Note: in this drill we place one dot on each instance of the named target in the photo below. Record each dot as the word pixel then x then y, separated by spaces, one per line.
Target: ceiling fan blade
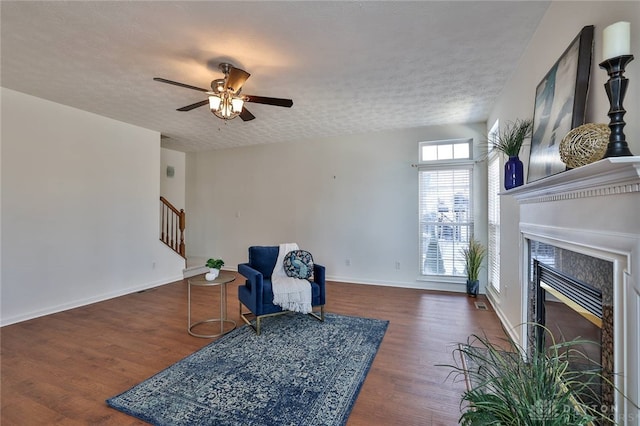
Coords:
pixel 193 106
pixel 287 103
pixel 236 79
pixel 245 115
pixel 175 83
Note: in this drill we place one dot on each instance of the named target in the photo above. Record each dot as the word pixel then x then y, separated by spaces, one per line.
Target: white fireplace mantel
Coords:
pixel 615 175
pixel 594 210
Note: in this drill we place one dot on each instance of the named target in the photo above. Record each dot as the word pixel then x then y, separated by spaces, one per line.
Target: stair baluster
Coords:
pixel 172 222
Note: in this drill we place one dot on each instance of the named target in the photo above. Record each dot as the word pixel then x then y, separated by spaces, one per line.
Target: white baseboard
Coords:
pixel 506 324
pixel 420 285
pixel 84 302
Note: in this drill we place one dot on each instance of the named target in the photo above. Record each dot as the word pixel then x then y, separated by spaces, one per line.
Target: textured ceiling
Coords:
pixel 350 67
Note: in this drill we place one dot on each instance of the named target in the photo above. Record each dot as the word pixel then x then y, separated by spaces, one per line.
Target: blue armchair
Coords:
pixel 256 293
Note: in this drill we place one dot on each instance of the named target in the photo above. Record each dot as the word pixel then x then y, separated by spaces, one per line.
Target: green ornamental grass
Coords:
pixel 473 256
pixel 509 141
pixel 508 389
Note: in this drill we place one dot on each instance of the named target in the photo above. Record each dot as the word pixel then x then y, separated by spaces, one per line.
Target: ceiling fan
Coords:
pixel 225 100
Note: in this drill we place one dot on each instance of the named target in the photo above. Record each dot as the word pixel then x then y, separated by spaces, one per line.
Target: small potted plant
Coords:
pixel 214 266
pixel 473 256
pixel 509 141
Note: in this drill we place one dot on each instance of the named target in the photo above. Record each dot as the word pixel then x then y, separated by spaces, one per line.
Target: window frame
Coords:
pixel 444 142
pixel 493 214
pixel 442 165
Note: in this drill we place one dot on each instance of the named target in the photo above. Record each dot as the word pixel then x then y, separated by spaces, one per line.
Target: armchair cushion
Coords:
pixel 263 259
pixel 298 264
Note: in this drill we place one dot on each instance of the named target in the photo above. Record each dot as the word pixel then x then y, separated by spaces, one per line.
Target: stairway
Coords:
pixel 172 224
pixel 195 266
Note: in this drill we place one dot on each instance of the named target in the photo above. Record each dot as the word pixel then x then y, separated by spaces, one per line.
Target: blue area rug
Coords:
pixel 299 371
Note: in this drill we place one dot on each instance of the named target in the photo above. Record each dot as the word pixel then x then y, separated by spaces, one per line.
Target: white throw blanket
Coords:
pixel 291 294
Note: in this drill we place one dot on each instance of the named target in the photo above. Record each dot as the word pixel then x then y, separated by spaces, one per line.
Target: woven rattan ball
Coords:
pixel 584 144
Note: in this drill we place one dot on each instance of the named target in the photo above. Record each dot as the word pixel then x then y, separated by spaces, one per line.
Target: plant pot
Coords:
pixel 513 173
pixel 472 288
pixel 212 275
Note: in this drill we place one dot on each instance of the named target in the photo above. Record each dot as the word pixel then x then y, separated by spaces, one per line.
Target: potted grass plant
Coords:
pixel 506 388
pixel 214 266
pixel 474 255
pixel 509 141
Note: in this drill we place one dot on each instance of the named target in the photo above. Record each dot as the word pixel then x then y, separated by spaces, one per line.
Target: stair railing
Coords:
pixel 172 223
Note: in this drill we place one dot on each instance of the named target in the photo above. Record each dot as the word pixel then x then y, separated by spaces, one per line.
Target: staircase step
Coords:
pixel 195 266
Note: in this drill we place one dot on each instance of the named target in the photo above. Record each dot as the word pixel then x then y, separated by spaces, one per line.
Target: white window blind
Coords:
pixel 446 219
pixel 493 258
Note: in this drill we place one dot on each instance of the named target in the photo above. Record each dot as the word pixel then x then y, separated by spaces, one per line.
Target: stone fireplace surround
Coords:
pixel 594 210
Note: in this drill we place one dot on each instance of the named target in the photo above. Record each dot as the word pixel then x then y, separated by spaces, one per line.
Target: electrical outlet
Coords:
pixel 347 262
pixel 397 264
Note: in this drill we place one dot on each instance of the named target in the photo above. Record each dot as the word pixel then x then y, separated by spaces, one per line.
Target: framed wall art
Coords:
pixel 560 105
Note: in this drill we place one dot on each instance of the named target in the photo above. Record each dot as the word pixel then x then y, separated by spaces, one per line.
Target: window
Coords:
pixel 458 149
pixel 493 258
pixel 445 206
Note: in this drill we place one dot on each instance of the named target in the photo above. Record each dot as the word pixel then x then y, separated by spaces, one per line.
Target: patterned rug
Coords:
pixel 299 371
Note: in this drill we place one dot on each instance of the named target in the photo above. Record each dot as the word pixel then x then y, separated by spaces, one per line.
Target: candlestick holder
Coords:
pixel 616 88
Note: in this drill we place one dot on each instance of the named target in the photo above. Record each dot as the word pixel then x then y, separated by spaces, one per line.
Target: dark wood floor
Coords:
pixel 59 369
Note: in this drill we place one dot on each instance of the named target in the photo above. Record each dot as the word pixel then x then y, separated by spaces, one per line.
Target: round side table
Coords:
pixel 221 281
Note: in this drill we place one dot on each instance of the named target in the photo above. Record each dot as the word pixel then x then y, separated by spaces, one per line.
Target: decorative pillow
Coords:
pixel 298 264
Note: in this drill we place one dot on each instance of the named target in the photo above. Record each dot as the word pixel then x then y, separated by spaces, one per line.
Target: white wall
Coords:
pixel 562 22
pixel 352 197
pixel 80 209
pixel 173 188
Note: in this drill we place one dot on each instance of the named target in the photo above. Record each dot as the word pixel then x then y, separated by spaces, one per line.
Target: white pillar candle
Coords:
pixel 616 40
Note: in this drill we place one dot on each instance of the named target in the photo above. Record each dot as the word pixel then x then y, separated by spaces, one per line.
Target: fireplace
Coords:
pixel 580 232
pixel 567 293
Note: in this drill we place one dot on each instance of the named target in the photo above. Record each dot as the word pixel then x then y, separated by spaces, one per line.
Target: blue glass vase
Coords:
pixel 513 172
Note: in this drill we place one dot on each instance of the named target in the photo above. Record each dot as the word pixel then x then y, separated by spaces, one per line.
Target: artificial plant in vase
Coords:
pixel 473 254
pixel 214 266
pixel 509 141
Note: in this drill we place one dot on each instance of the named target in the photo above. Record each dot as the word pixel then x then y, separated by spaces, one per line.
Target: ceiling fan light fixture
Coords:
pixel 225 106
pixel 237 104
pixel 214 103
pixel 226 109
